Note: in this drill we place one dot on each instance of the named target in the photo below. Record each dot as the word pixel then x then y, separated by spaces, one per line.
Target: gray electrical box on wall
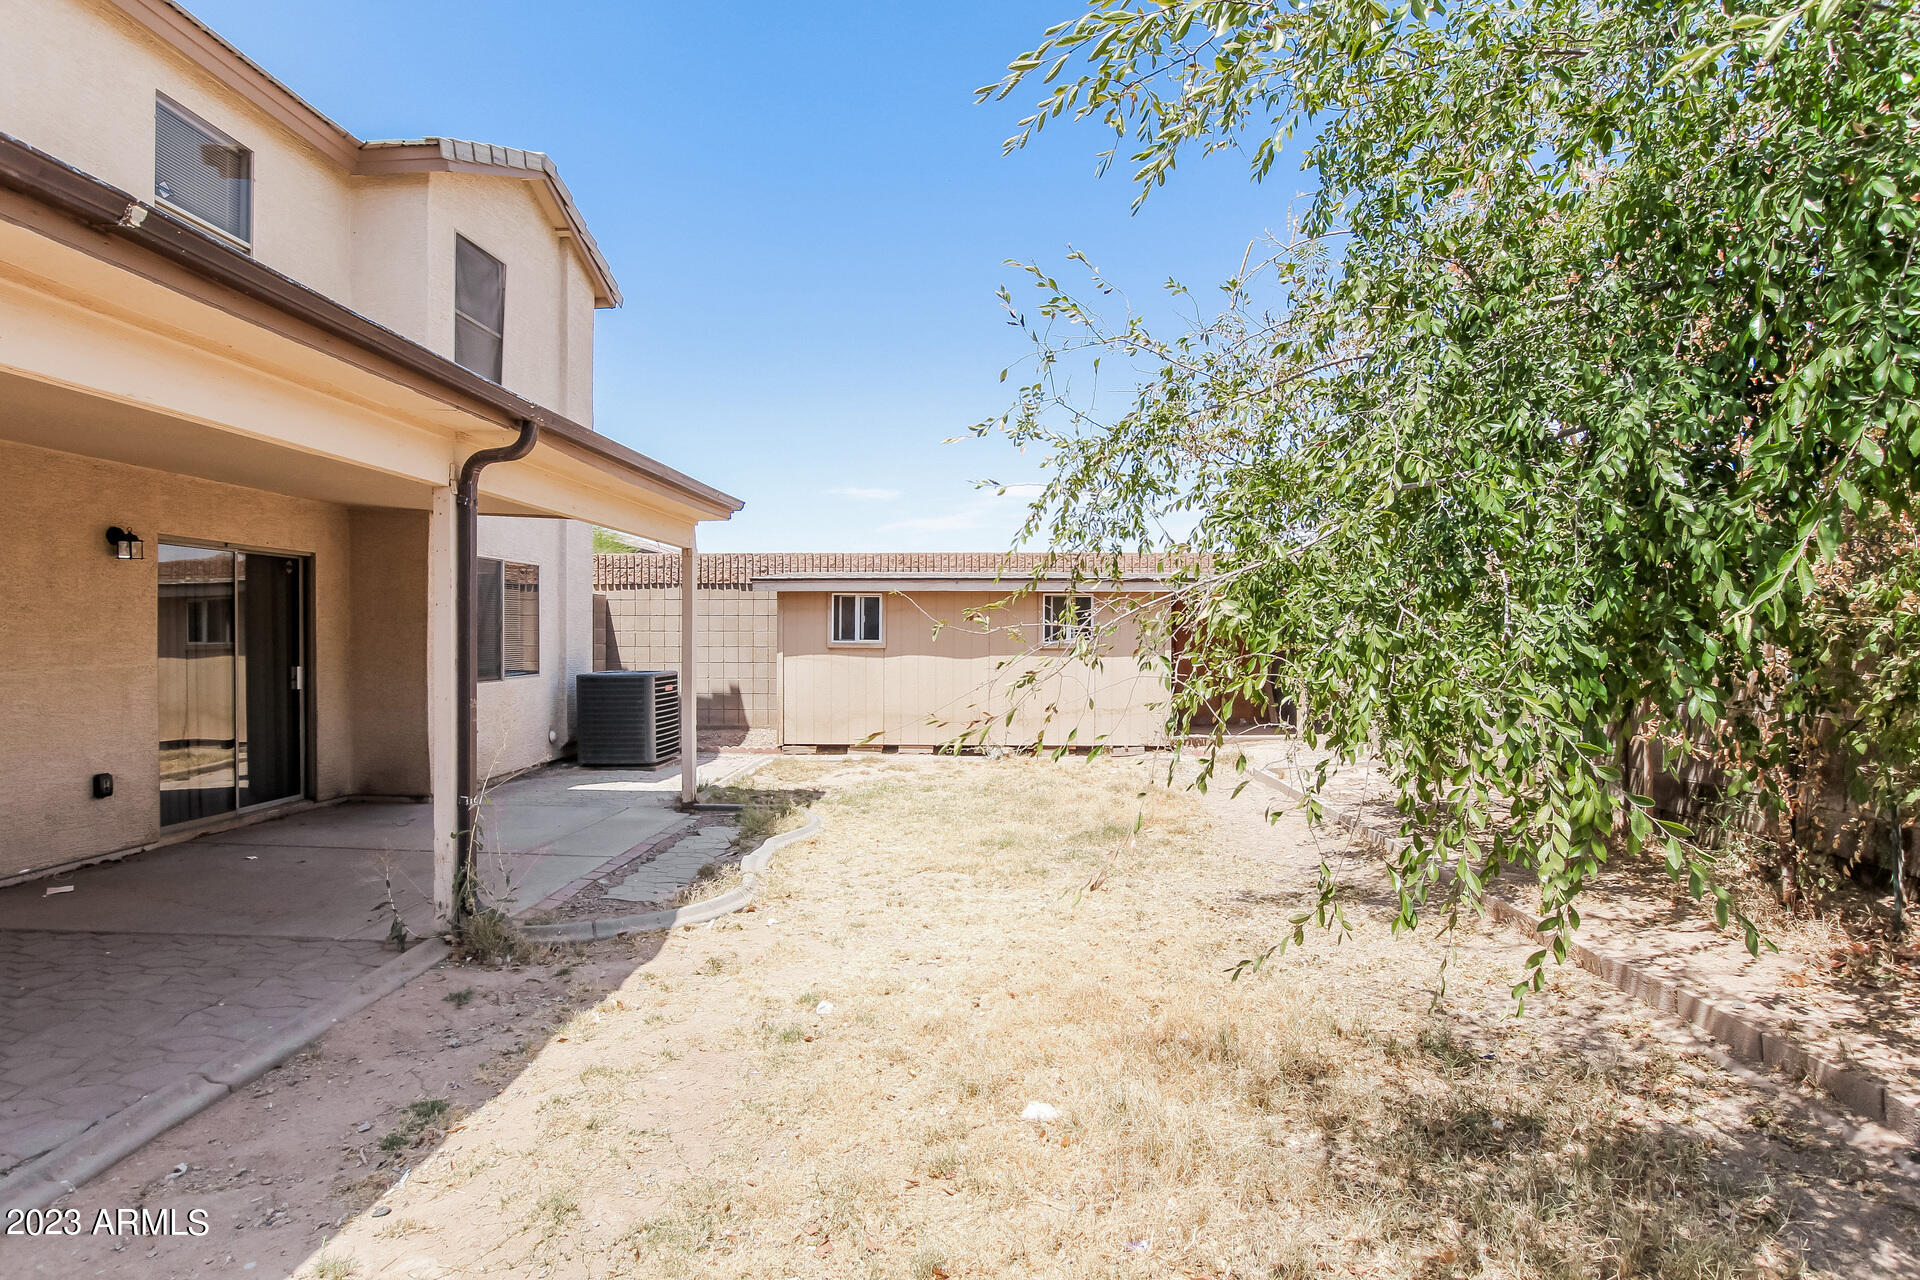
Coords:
pixel 628 717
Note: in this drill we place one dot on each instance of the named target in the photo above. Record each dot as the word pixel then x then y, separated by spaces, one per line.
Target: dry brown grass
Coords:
pixel 832 1085
pixel 1275 1127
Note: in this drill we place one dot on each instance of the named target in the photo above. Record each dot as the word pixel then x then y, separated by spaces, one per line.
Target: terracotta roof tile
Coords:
pixel 737 570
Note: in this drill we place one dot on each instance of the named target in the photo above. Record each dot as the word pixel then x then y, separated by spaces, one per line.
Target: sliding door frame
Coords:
pixel 305 742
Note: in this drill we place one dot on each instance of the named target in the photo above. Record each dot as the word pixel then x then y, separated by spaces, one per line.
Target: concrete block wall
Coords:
pixel 737 676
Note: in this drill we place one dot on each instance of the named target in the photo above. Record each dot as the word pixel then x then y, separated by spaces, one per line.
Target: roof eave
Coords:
pixel 457 155
pixel 180 30
pixel 107 209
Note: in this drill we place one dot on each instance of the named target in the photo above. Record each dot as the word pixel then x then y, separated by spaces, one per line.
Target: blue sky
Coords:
pixel 808 216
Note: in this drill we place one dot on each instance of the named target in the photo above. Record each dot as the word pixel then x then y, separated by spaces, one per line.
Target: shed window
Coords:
pixel 201 172
pixel 1066 619
pixel 507 617
pixel 479 308
pixel 856 620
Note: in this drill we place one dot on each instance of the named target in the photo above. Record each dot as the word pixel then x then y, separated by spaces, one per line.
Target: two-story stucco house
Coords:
pixel 246 361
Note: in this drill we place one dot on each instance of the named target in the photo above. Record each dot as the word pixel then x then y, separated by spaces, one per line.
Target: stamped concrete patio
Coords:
pixel 150 968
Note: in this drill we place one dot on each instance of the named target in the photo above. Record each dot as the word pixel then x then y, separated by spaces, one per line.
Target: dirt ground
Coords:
pixel 833 1085
pixel 1829 976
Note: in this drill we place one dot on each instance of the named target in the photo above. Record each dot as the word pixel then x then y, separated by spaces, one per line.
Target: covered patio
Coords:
pixel 250 717
pixel 185 424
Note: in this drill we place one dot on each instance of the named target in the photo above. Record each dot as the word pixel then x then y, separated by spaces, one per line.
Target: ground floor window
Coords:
pixel 508 617
pixel 1066 620
pixel 856 619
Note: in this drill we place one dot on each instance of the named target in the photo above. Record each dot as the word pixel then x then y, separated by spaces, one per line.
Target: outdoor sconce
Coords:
pixel 126 544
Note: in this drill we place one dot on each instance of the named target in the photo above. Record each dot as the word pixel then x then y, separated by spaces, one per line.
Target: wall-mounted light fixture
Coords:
pixel 126 544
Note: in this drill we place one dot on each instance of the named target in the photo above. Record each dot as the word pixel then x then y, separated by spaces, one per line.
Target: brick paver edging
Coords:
pixel 1750 1039
pixel 97 1149
pixel 753 869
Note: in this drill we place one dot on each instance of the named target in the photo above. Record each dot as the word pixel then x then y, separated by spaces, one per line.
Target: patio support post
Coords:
pixel 689 704
pixel 442 633
pixel 466 836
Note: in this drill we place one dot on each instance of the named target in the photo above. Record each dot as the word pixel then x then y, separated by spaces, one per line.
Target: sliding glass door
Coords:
pixel 232 680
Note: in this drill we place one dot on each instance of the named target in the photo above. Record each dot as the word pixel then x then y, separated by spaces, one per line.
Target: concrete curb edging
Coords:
pixel 1748 1038
pixel 94 1150
pixel 753 868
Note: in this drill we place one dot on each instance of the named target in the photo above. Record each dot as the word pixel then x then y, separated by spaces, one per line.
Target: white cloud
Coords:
pixel 951 522
pixel 999 512
pixel 867 495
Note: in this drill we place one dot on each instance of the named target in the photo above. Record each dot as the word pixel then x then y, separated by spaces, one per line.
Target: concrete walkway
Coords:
pixel 152 967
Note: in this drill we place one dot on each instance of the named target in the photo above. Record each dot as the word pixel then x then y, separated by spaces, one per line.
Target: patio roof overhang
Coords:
pixel 133 336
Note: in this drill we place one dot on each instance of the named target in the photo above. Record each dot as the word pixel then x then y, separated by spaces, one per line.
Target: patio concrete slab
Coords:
pixel 92 1022
pixel 155 965
pixel 258 890
pixel 358 825
pixel 516 881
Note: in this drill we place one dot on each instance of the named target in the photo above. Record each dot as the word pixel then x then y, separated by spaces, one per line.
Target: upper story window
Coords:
pixel 856 620
pixel 201 172
pixel 479 308
pixel 1066 619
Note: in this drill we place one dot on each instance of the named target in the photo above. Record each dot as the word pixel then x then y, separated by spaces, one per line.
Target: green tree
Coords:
pixel 608 542
pixel 1858 694
pixel 1594 342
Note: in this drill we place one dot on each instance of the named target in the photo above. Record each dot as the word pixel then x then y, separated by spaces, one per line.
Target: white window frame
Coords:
pixel 221 136
pixel 859 615
pixel 1061 635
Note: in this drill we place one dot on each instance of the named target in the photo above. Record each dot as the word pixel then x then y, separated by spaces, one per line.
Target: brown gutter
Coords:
pixel 108 209
pixel 466 553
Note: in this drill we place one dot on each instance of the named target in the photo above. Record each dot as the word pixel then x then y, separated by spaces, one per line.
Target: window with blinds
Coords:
pixel 507 619
pixel 520 620
pixel 487 618
pixel 479 309
pixel 201 172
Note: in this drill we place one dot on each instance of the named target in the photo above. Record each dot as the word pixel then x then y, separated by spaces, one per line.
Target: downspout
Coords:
pixel 466 554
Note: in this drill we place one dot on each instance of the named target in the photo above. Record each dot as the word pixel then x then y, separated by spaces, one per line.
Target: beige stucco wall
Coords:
pixel 388 705
pixel 78 652
pixel 737 661
pixel 79 668
pixel 392 248
pixel 546 314
pixel 961 674
pixel 80 84
pixel 524 720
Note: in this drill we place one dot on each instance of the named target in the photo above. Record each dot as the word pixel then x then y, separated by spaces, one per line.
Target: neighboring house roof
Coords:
pixel 115 214
pixel 208 50
pixel 940 570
